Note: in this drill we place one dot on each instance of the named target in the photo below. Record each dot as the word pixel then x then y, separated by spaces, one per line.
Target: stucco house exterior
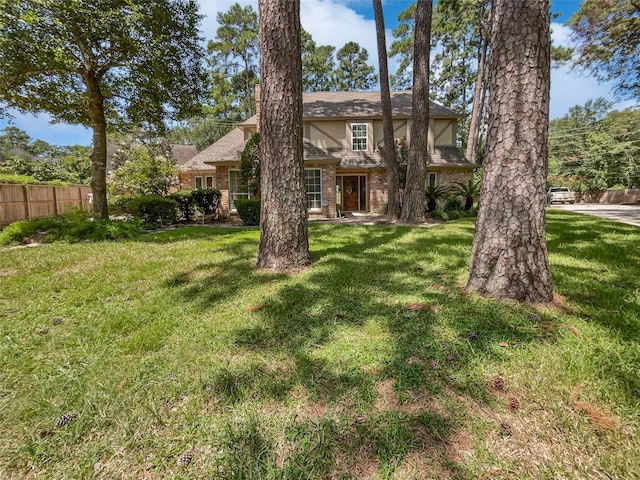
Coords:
pixel 344 171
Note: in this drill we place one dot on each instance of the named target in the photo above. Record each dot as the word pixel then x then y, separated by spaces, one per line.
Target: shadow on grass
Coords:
pixel 342 340
pixel 373 385
pixel 592 271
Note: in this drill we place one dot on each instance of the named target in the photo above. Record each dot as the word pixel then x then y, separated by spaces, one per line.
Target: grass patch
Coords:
pixel 371 363
pixel 72 227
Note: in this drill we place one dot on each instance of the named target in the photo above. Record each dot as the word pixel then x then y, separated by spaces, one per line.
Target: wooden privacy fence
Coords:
pixel 20 202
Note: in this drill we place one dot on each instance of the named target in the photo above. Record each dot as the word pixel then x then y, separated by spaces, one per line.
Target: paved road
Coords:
pixel 621 213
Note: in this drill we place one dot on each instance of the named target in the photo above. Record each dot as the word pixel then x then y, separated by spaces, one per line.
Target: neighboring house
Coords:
pixel 16 152
pixel 344 171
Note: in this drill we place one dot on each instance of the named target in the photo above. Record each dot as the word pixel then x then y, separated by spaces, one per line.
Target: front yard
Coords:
pixel 171 357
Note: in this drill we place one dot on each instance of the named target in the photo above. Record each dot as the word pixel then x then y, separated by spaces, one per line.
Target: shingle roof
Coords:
pixel 440 157
pixel 363 104
pixel 183 153
pixel 341 105
pixel 226 149
pixel 449 157
pixel 229 148
pixel 313 153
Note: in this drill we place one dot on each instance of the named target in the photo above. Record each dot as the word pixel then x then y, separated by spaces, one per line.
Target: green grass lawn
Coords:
pixel 176 359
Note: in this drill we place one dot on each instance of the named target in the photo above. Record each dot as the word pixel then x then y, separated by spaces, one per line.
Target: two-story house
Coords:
pixel 343 168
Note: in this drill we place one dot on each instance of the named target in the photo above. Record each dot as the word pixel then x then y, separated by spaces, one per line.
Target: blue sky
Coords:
pixel 336 22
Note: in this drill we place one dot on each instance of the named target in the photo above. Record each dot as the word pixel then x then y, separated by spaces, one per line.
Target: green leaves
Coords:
pixel 354 73
pixel 147 59
pixel 592 148
pixel 608 38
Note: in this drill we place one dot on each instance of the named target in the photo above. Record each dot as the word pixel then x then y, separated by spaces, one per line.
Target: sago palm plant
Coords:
pixel 468 191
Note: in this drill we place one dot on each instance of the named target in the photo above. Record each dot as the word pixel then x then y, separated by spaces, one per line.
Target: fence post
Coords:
pixel 27 202
pixel 55 201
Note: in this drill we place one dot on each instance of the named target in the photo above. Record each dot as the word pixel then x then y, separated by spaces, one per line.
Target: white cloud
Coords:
pixel 332 23
pixel 561 35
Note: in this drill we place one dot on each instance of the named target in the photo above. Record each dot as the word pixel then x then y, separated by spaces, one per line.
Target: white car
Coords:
pixel 561 195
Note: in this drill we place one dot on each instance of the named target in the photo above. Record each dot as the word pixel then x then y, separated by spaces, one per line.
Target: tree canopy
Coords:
pixel 354 73
pixel 234 58
pixel 607 33
pixel 318 65
pixel 593 148
pixel 102 64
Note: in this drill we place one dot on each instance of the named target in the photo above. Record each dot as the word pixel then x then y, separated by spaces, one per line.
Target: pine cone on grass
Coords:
pixel 505 429
pixel 66 419
pixel 497 383
pixel 185 458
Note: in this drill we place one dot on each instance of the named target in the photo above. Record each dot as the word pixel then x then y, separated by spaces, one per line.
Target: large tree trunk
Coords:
pixel 413 204
pixel 389 151
pixel 509 259
pixel 284 243
pixel 476 110
pixel 99 154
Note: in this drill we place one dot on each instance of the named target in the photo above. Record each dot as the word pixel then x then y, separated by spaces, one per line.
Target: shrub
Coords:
pixel 74 227
pixel 438 215
pixel 206 200
pixel 118 204
pixel 249 210
pixel 18 232
pixel 186 204
pixel 153 209
pixel 453 203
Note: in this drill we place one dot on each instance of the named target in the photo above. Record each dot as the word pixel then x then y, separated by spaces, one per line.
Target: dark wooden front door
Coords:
pixel 350 192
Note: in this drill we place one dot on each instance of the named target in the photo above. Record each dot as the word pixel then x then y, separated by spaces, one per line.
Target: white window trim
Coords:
pixel 195 181
pixel 315 209
pixel 213 183
pixel 231 207
pixel 366 136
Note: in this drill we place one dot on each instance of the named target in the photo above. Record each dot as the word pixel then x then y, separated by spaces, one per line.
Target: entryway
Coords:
pixel 351 193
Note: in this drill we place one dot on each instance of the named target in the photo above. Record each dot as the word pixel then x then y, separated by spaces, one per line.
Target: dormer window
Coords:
pixel 359 137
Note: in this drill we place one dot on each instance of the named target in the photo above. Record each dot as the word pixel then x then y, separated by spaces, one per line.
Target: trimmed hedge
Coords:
pixel 186 204
pixel 249 210
pixel 206 200
pixel 153 209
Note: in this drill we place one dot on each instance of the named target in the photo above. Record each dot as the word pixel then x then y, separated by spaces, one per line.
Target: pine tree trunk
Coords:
pixel 284 243
pixel 389 151
pixel 99 153
pixel 476 110
pixel 413 204
pixel 509 258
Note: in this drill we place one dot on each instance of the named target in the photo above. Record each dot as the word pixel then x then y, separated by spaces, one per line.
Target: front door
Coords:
pixel 350 189
pixel 354 192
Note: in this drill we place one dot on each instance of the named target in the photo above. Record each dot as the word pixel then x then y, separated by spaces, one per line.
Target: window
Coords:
pixel 313 187
pixel 432 180
pixel 236 188
pixel 208 182
pixel 197 182
pixel 359 137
